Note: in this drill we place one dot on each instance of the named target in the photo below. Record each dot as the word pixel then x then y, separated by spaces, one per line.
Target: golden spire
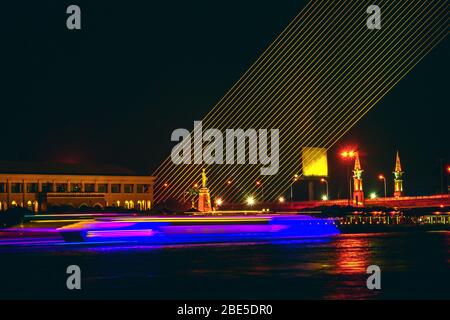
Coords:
pixel 357 162
pixel 398 165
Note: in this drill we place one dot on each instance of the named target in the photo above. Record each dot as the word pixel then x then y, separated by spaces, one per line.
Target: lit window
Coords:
pixel 89 187
pixel 128 188
pixel 103 188
pixel 140 188
pixel 47 187
pixel 16 187
pixel 75 187
pixel 32 187
pixel 61 187
pixel 115 188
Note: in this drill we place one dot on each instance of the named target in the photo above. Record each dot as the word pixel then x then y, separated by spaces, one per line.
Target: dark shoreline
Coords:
pixel 364 228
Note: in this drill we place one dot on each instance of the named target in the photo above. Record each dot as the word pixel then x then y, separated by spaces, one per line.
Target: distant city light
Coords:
pixel 373 195
pixel 229 181
pixel 324 197
pixel 219 201
pixel 166 185
pixel 196 185
pixel 281 199
pixel 250 201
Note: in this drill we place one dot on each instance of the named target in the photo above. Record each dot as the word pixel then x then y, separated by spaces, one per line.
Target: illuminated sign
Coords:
pixel 314 162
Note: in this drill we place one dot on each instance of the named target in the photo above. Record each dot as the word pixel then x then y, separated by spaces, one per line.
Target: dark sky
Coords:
pixel 114 91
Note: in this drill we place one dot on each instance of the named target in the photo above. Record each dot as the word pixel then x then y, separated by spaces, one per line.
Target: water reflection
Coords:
pixel 353 255
pixel 413 266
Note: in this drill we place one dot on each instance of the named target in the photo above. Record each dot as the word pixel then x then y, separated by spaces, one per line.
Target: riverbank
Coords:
pixel 364 228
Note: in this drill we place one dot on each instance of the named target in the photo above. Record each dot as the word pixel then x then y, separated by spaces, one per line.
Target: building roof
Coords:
pixel 63 169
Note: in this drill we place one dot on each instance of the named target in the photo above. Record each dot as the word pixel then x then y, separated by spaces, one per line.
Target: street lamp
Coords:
pixel 323 180
pixel 381 177
pixel 348 155
pixel 250 201
pixel 219 202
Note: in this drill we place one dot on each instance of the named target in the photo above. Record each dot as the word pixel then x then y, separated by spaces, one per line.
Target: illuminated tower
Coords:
pixel 358 193
pixel 398 177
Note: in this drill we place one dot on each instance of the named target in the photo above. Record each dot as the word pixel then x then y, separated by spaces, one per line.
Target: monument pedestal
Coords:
pixel 204 200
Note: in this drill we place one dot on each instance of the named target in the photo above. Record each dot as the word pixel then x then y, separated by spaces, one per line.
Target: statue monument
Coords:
pixel 204 198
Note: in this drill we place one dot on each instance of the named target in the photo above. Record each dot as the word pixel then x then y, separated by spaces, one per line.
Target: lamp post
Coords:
pixel 323 180
pixel 293 180
pixel 448 183
pixel 381 177
pixel 259 184
pixel 348 155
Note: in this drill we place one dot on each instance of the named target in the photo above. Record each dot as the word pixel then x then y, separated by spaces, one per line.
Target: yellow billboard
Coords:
pixel 314 162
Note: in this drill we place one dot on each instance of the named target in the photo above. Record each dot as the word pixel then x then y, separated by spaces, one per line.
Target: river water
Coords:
pixel 413 265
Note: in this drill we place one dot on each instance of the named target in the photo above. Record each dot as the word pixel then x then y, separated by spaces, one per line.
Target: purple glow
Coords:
pixel 120 233
pixel 171 230
pixel 218 229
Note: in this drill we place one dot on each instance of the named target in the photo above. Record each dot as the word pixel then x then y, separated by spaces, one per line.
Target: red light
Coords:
pixel 348 154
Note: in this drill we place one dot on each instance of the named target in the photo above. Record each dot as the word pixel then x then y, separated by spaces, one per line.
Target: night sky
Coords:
pixel 114 91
